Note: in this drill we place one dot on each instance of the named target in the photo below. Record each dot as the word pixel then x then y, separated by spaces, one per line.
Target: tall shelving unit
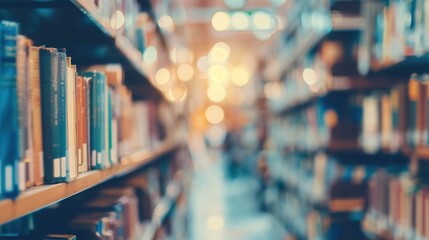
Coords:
pixel 306 203
pixel 89 39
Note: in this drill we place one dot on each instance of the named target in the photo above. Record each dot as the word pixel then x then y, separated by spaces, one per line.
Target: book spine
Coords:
pixel 97 118
pixel 79 121
pixel 110 127
pixel 87 111
pixel 10 153
pixel 413 91
pixel 1 113
pixel 50 102
pixel 30 152
pixel 71 121
pixel 107 160
pixel 36 115
pixel 24 178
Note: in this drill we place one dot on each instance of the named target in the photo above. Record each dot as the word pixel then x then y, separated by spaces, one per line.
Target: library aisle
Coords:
pixel 214 119
pixel 225 208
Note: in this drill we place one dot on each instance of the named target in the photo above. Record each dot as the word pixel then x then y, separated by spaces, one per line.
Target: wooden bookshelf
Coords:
pixel 339 84
pixel 40 197
pixel 88 37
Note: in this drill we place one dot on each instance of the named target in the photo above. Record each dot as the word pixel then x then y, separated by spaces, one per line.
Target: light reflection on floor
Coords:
pixel 223 209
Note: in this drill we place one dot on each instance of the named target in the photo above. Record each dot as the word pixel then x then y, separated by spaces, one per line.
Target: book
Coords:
pixel 81 126
pixel 10 153
pixel 62 110
pixel 71 120
pixel 54 131
pixel 24 174
pixel 36 115
pixel 97 102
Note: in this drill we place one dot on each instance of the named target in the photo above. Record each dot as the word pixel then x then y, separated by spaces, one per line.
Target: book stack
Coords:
pixel 398 206
pixel 58 122
pixel 314 195
pixel 385 40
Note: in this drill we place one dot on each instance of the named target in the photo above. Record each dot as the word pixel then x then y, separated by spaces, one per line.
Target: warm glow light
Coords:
pixel 235 97
pixel 262 20
pixel 310 76
pixel 235 3
pixel 219 53
pixel 273 90
pixel 240 20
pixel 220 21
pixel 162 76
pixel 218 74
pixel 184 55
pixel 185 72
pixel 176 94
pixel 117 20
pixel 203 64
pixel 240 76
pixel 150 55
pixel 214 114
pixel 216 93
pixel 166 22
pixel 215 222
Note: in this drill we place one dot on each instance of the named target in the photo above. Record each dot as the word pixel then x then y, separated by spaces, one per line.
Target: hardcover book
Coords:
pixel 97 123
pixel 36 115
pixel 71 120
pixel 53 124
pixel 10 154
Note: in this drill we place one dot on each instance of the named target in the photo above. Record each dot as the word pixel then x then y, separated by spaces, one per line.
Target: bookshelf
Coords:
pixel 88 37
pixel 37 198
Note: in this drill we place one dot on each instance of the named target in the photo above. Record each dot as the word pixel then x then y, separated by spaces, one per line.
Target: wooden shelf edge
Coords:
pixel 37 198
pixel 341 84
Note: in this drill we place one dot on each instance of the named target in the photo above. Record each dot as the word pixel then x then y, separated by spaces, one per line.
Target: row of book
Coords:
pixel 305 191
pixel 387 40
pixel 58 122
pixel 378 120
pixel 398 206
pixel 121 210
pixel 333 121
pixel 124 17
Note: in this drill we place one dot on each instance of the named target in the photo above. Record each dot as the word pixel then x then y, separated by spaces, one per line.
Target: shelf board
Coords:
pixel 88 37
pixel 405 67
pixel 339 84
pixel 40 197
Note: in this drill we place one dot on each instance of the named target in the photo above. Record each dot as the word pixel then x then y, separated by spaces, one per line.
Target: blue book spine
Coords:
pixel 110 131
pixel 97 118
pixel 50 96
pixel 62 107
pixel 9 130
pixel 1 77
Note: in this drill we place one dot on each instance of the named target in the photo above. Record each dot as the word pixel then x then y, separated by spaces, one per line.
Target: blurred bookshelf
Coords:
pixel 37 198
pixel 346 103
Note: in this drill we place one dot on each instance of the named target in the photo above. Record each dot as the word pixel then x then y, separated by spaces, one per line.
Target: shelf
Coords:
pixel 339 84
pixel 40 197
pixel 405 67
pixel 88 37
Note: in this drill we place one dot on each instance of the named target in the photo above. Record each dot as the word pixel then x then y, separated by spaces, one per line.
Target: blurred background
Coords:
pixel 234 119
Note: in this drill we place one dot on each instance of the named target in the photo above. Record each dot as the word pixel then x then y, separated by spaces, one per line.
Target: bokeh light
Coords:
pixel 218 74
pixel 150 55
pixel 240 75
pixel 219 53
pixel 214 114
pixel 240 20
pixel 220 21
pixel 185 72
pixel 216 93
pixel 162 76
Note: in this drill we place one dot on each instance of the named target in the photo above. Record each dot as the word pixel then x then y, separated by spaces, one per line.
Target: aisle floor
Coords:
pixel 222 208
